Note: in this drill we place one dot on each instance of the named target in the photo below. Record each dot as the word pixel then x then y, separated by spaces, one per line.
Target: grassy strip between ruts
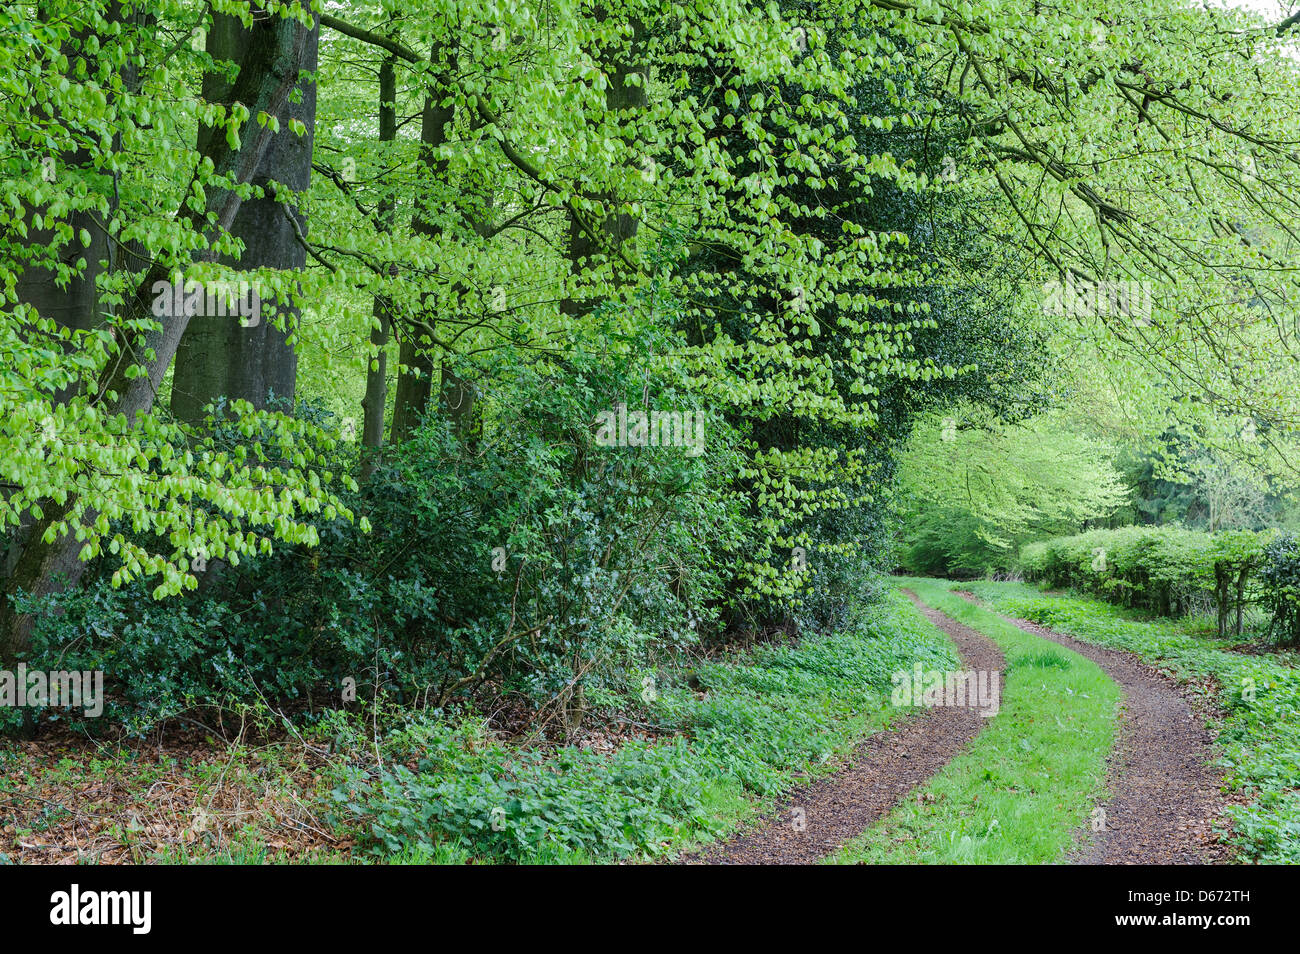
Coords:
pixel 1260 737
pixel 746 732
pixel 1029 780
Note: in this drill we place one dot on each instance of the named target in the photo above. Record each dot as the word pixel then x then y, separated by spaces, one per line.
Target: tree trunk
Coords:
pixel 1242 576
pixel 76 306
pixel 376 397
pixel 1222 597
pixel 415 377
pixel 219 355
pixel 616 230
pixel 459 395
pixel 460 399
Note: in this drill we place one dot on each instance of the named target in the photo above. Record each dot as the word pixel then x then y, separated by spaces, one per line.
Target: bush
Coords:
pixel 1279 577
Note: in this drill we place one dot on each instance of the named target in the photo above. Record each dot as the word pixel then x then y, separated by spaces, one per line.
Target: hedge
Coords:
pixel 1162 569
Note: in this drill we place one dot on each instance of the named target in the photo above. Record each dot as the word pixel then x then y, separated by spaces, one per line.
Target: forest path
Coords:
pixel 1165 793
pixel 819 818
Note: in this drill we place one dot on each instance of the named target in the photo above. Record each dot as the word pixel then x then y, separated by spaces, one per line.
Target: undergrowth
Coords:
pixel 732 736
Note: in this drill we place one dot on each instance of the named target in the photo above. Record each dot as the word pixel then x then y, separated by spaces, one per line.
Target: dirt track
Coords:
pixel 821 817
pixel 1166 796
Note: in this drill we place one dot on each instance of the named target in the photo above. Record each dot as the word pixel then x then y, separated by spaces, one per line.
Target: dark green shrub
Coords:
pixel 1279 577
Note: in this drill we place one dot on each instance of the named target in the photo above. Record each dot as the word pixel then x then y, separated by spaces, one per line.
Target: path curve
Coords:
pixel 1166 794
pixel 820 817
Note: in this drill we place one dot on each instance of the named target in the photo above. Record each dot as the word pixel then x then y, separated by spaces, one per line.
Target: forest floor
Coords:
pixel 177 796
pixel 1096 756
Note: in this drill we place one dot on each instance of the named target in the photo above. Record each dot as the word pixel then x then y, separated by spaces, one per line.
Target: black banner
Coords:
pixel 341 905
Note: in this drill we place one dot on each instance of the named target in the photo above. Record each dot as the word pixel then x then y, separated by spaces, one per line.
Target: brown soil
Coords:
pixel 820 817
pixel 1167 796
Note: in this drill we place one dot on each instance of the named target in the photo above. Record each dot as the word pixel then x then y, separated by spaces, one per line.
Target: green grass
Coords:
pixel 1031 777
pixel 746 732
pixel 1260 735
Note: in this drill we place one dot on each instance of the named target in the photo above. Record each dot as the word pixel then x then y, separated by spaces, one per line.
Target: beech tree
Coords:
pixel 64 463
